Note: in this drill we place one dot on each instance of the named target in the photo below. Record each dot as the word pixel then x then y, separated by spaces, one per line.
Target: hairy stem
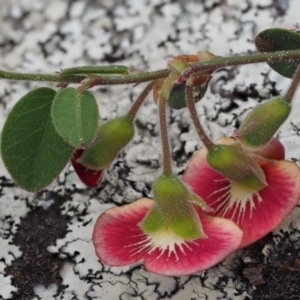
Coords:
pixel 194 116
pixel 162 103
pixel 243 60
pixel 131 78
pixel 107 79
pixel 41 77
pixel 137 104
pixel 293 87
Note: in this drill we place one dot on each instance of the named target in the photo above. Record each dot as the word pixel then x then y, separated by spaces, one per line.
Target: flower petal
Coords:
pixel 117 235
pixel 256 213
pixel 119 241
pixel 273 150
pixel 89 177
pixel 223 238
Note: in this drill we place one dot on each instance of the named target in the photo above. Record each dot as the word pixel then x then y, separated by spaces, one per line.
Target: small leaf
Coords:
pixel 32 150
pixel 176 99
pixel 75 116
pixel 279 39
pixel 111 69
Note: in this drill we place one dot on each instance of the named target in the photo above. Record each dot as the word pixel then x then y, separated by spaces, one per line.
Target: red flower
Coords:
pixel 256 212
pixel 119 240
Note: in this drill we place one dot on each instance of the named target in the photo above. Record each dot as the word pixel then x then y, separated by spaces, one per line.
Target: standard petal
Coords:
pixel 118 240
pixel 188 257
pixel 256 213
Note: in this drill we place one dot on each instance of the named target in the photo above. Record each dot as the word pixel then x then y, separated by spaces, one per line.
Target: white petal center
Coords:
pixel 235 196
pixel 164 241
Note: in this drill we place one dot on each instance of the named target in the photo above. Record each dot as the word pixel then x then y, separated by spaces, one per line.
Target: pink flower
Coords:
pixel 256 212
pixel 119 240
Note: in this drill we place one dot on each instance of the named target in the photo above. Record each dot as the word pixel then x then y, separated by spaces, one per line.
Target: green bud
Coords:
pixel 173 201
pixel 111 138
pixel 262 122
pixel 232 162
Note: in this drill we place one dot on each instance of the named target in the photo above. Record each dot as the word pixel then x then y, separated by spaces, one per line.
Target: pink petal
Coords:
pixel 117 233
pixel 279 198
pixel 119 241
pixel 272 150
pixel 224 237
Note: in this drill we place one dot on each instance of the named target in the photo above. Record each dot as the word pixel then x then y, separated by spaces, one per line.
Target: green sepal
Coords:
pixel 279 39
pixel 195 199
pixel 262 122
pixel 153 222
pixel 173 203
pixel 232 162
pixel 188 226
pixel 111 138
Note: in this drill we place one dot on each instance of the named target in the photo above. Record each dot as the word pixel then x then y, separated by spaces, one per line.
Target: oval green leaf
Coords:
pixel 32 151
pixel 177 99
pixel 75 116
pixel 279 39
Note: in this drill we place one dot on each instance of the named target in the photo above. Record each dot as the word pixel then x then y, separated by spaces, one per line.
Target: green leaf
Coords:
pixel 177 98
pixel 279 39
pixel 32 150
pixel 111 69
pixel 75 116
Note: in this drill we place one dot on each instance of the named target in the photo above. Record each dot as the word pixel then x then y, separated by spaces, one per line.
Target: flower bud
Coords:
pixel 91 178
pixel 111 138
pixel 262 122
pixel 232 162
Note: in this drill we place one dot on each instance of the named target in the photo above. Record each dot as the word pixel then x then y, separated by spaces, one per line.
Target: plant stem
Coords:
pixel 293 87
pixel 162 103
pixel 139 77
pixel 137 104
pixel 194 116
pixel 244 59
pixel 41 77
pixel 98 79
pixel 131 78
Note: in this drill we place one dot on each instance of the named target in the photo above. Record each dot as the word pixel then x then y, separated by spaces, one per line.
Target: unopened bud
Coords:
pixel 262 122
pixel 112 137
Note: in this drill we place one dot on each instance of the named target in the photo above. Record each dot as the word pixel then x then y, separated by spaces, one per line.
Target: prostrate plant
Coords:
pixel 234 190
